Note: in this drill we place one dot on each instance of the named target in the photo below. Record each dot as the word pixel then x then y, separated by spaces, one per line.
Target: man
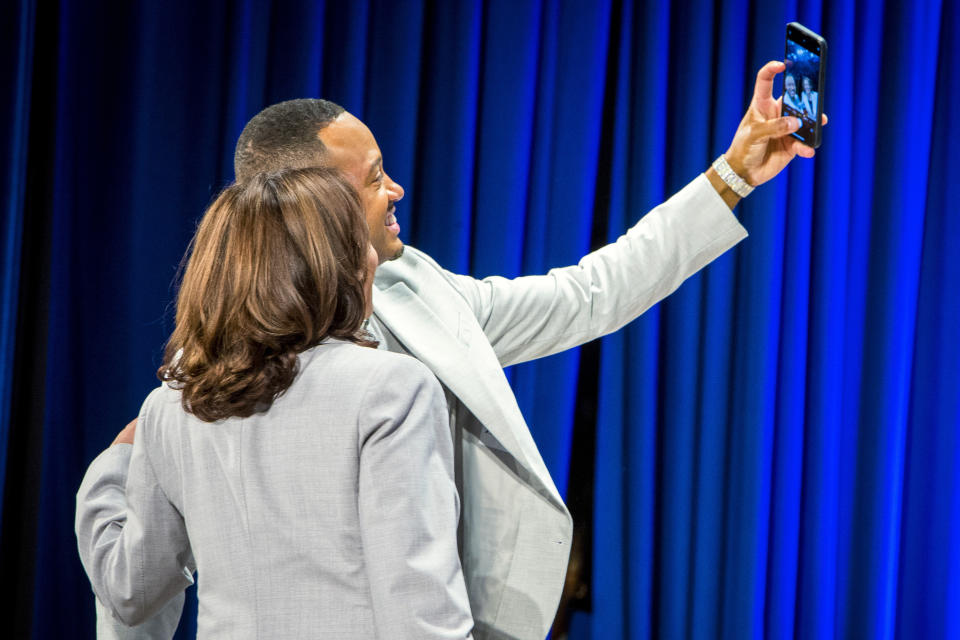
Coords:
pixel 790 97
pixel 515 530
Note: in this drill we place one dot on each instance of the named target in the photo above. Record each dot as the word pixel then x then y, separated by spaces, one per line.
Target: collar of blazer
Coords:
pixel 421 320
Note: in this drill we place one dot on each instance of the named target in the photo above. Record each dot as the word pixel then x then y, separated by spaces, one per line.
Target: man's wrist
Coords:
pixel 722 188
pixel 732 177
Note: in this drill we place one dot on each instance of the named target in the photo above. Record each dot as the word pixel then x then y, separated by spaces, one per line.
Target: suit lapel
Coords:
pixel 467 371
pixel 431 342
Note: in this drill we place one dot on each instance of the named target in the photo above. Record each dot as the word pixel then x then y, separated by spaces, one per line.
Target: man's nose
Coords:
pixel 395 190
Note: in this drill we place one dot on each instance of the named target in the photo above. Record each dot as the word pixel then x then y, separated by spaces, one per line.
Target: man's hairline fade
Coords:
pixel 284 135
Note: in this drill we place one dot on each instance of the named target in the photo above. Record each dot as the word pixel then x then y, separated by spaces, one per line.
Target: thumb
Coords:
pixel 774 128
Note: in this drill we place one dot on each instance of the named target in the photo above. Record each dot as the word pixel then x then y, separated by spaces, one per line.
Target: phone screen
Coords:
pixel 802 93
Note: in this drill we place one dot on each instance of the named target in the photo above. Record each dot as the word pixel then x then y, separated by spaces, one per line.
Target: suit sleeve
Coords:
pixel 535 316
pixel 135 550
pixel 409 508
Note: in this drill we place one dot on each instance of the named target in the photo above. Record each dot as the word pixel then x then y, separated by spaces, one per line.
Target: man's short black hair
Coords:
pixel 284 135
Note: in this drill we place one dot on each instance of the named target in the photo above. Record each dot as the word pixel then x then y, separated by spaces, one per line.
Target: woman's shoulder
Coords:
pixel 164 398
pixel 342 358
pixel 161 416
pixel 371 381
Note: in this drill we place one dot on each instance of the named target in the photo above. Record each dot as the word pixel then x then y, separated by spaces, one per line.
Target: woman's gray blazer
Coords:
pixel 332 515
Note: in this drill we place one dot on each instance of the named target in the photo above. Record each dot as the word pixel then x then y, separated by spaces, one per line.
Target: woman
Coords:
pixel 310 476
pixel 808 98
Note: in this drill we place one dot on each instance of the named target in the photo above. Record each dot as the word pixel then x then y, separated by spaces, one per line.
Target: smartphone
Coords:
pixel 804 81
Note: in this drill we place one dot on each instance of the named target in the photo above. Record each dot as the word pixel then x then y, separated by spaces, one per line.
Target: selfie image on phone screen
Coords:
pixel 800 88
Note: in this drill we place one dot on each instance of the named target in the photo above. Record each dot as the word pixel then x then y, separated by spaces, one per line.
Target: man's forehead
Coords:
pixel 349 140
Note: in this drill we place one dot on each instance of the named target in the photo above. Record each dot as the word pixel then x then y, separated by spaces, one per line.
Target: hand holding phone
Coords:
pixel 764 142
pixel 775 130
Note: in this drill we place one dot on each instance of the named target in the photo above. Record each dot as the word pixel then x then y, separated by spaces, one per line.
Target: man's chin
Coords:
pixel 391 253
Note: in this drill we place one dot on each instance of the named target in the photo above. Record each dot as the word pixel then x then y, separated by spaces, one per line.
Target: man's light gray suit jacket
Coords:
pixel 516 529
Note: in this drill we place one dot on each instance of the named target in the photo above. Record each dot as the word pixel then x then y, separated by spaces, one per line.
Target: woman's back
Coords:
pixel 331 515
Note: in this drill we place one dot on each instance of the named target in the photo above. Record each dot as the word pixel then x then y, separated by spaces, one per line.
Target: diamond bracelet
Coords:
pixel 730 177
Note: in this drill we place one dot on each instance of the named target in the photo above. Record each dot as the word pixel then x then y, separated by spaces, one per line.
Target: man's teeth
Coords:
pixel 391 219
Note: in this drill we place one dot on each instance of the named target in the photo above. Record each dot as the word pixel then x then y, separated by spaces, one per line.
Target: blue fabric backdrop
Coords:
pixel 776 445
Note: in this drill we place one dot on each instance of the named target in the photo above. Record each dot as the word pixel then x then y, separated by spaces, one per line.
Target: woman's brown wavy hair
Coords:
pixel 277 265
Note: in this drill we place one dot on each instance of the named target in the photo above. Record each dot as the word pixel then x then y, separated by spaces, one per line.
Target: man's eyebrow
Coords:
pixel 374 168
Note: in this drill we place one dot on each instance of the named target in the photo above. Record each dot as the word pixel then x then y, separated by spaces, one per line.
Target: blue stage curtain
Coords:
pixel 16 40
pixel 777 444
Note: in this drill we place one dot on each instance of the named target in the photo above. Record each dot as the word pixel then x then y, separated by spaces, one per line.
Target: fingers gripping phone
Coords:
pixel 804 81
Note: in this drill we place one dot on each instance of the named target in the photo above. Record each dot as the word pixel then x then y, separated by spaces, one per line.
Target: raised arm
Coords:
pixel 409 508
pixel 535 316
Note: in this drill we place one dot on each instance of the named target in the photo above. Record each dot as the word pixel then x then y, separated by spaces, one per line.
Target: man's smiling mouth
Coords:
pixel 391 221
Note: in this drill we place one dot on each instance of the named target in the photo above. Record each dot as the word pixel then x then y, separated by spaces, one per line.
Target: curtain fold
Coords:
pixel 16 74
pixel 777 443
